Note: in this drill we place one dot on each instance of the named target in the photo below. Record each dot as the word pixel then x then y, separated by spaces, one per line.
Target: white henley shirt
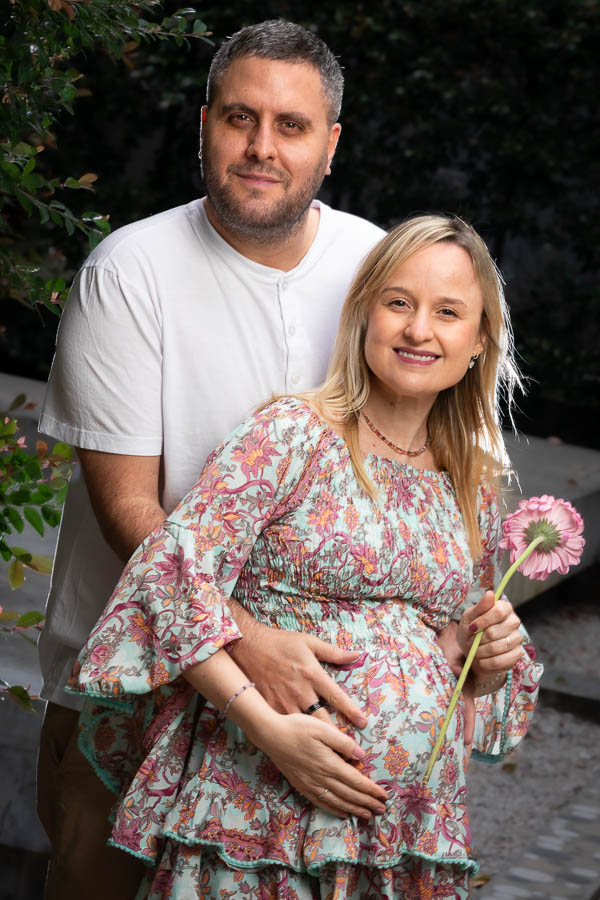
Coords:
pixel 169 339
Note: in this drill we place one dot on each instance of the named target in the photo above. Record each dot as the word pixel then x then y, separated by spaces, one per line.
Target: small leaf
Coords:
pixel 14 518
pixel 51 515
pixel 21 697
pixel 17 402
pixel 19 497
pixel 61 496
pixel 34 519
pixel 33 470
pixel 21 553
pixel 40 563
pixel 16 574
pixel 87 180
pixel 27 204
pixel 63 450
pixel 41 494
pixel 33 617
pixel 8 615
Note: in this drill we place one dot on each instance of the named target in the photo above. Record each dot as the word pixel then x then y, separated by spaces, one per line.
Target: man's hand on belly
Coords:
pixel 286 668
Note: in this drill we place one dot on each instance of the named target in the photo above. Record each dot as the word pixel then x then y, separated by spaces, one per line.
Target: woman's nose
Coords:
pixel 419 328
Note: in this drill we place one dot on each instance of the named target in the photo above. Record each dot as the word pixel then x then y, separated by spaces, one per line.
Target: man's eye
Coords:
pixel 291 126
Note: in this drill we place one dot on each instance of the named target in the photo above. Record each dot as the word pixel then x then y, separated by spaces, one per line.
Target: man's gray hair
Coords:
pixel 280 40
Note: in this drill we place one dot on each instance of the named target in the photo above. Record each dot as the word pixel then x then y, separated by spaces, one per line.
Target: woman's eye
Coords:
pixel 448 313
pixel 398 302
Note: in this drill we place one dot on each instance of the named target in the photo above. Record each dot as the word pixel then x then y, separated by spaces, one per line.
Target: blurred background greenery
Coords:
pixel 486 110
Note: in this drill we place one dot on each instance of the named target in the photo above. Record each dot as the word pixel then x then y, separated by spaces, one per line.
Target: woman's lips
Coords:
pixel 414 357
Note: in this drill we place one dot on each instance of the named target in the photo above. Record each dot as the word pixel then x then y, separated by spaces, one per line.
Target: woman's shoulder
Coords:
pixel 291 419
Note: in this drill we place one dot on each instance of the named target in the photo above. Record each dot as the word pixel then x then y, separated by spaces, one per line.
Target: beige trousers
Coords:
pixel 73 806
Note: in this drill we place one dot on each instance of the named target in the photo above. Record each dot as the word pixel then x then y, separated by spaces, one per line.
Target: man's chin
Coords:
pixel 250 218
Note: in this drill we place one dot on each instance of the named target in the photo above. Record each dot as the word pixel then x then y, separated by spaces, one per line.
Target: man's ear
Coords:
pixel 334 136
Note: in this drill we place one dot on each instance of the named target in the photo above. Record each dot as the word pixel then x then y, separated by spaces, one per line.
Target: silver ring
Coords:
pixel 326 791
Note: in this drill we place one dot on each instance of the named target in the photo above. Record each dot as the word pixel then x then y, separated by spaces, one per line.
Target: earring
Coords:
pixel 473 360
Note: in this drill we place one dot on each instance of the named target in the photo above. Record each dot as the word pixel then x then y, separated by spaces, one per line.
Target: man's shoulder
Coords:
pixel 349 224
pixel 149 235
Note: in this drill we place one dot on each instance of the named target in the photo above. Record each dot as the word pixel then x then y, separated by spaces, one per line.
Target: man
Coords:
pixel 176 328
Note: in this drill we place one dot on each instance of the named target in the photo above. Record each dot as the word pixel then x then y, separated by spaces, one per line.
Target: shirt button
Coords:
pixel 284 285
pixel 292 329
pixel 295 379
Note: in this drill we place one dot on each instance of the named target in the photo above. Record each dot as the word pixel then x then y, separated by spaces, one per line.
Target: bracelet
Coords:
pixel 484 685
pixel 237 693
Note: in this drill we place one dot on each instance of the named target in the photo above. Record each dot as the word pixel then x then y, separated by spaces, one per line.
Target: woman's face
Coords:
pixel 425 324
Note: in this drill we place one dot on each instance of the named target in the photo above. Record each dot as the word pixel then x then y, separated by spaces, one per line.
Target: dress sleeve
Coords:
pixel 170 610
pixel 502 718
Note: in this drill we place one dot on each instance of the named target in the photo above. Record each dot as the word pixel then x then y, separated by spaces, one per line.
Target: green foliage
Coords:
pixel 40 50
pixel 33 488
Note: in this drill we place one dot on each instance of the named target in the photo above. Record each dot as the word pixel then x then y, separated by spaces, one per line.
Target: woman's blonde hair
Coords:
pixel 466 439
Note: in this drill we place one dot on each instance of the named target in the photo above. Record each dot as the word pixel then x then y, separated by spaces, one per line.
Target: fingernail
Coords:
pixel 359 753
pixel 365 815
pixel 362 721
pixel 380 810
pixel 473 628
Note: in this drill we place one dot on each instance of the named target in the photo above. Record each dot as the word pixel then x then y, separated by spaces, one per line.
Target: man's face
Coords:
pixel 266 147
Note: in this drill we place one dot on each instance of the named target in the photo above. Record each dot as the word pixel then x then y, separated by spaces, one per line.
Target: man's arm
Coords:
pixel 124 495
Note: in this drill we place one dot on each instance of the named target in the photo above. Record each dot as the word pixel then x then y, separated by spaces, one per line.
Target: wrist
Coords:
pixel 489 685
pixel 251 712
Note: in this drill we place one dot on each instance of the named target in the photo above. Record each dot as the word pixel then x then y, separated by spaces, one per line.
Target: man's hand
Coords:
pixel 285 666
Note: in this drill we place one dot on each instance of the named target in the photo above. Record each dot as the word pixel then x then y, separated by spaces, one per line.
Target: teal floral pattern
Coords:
pixel 278 521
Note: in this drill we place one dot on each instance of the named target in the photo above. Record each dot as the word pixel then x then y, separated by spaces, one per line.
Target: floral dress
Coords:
pixel 278 521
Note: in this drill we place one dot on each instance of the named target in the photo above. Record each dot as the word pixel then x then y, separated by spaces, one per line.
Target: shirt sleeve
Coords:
pixel 503 717
pixel 169 611
pixel 105 386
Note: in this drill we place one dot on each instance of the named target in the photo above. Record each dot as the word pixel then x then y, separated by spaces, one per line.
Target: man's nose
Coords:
pixel 262 145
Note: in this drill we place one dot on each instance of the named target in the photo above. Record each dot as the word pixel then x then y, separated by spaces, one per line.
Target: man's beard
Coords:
pixel 275 222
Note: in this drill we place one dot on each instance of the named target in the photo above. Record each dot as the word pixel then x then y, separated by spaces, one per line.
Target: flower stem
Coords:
pixel 471 655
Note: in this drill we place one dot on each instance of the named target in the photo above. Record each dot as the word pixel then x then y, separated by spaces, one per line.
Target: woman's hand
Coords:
pixel 308 752
pixel 500 646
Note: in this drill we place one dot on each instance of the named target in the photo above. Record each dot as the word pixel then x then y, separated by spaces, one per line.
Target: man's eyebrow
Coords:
pixel 398 289
pixel 298 117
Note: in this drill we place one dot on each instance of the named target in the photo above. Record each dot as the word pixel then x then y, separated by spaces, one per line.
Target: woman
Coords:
pixel 364 513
